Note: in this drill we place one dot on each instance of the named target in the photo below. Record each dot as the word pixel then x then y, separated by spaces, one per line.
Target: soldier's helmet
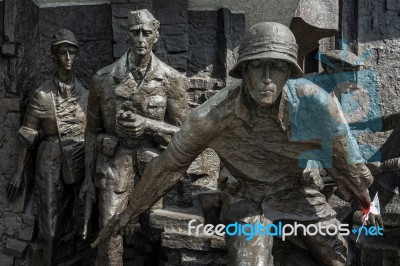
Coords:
pixel 268 40
pixel 64 36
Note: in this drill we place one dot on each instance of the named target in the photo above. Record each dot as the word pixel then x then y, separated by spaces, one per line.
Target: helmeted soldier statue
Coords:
pixel 254 128
pixel 135 106
pixel 56 119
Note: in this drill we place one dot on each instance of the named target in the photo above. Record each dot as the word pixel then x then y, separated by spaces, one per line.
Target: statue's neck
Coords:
pixel 140 61
pixel 64 75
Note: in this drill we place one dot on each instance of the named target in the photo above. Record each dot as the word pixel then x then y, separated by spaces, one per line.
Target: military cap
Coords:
pixel 141 16
pixel 64 36
pixel 268 40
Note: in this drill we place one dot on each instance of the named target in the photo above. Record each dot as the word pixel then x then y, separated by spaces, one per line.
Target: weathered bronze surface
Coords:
pixel 260 128
pixel 55 120
pixel 135 106
pixel 201 41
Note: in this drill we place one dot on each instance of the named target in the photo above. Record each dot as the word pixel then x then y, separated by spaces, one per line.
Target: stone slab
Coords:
pixel 161 219
pixel 27 228
pixel 58 3
pixel 181 240
pixel 15 248
pixel 6 260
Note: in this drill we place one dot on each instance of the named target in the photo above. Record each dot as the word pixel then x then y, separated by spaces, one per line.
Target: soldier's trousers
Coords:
pixel 110 252
pixel 287 202
pixel 51 200
pixel 114 178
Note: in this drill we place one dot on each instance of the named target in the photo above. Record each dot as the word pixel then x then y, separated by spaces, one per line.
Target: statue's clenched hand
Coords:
pixel 132 125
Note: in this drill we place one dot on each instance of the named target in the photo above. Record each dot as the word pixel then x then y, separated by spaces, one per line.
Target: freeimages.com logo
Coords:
pixel 279 230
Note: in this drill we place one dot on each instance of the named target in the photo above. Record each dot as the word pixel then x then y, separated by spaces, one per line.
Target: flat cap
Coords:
pixel 64 36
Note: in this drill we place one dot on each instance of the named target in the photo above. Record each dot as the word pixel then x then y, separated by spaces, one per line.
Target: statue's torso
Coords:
pixel 260 150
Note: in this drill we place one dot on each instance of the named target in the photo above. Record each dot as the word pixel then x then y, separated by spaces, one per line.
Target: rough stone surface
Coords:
pixel 27 228
pixel 274 10
pixel 371 29
pixel 1 21
pixel 8 49
pixel 11 104
pixel 313 21
pixel 173 44
pixel 203 41
pixel 15 248
pixel 58 3
pixel 6 259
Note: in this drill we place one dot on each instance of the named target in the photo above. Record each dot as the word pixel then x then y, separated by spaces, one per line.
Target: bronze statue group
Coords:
pixel 134 125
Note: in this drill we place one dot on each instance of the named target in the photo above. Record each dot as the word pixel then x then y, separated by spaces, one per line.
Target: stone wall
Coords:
pixel 372 29
pixel 19 63
pixel 271 10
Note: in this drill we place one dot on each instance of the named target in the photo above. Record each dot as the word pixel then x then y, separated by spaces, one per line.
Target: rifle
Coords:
pixel 87 214
pixel 391 165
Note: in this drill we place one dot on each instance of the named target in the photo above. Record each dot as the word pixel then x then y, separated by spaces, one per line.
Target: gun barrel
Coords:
pixel 391 164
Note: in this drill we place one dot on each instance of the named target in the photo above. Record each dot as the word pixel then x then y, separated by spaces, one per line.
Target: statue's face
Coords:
pixel 66 55
pixel 264 79
pixel 142 38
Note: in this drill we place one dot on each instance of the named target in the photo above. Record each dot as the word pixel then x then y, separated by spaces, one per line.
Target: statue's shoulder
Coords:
pixel 83 92
pixel 312 105
pixel 44 90
pixel 166 70
pixel 223 103
pixel 216 113
pixel 302 88
pixel 110 69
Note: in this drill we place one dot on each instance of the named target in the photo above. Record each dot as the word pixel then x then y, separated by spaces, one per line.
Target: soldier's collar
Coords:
pixel 138 71
pixel 244 111
pixel 123 68
pixel 64 89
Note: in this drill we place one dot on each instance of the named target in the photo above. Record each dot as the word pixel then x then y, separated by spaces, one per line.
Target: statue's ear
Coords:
pixel 157 36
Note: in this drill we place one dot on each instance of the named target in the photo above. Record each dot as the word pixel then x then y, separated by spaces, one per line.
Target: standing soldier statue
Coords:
pixel 56 119
pixel 262 130
pixel 135 106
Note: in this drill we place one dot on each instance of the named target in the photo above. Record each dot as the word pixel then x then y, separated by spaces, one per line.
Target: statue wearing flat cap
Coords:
pixel 55 120
pixel 135 106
